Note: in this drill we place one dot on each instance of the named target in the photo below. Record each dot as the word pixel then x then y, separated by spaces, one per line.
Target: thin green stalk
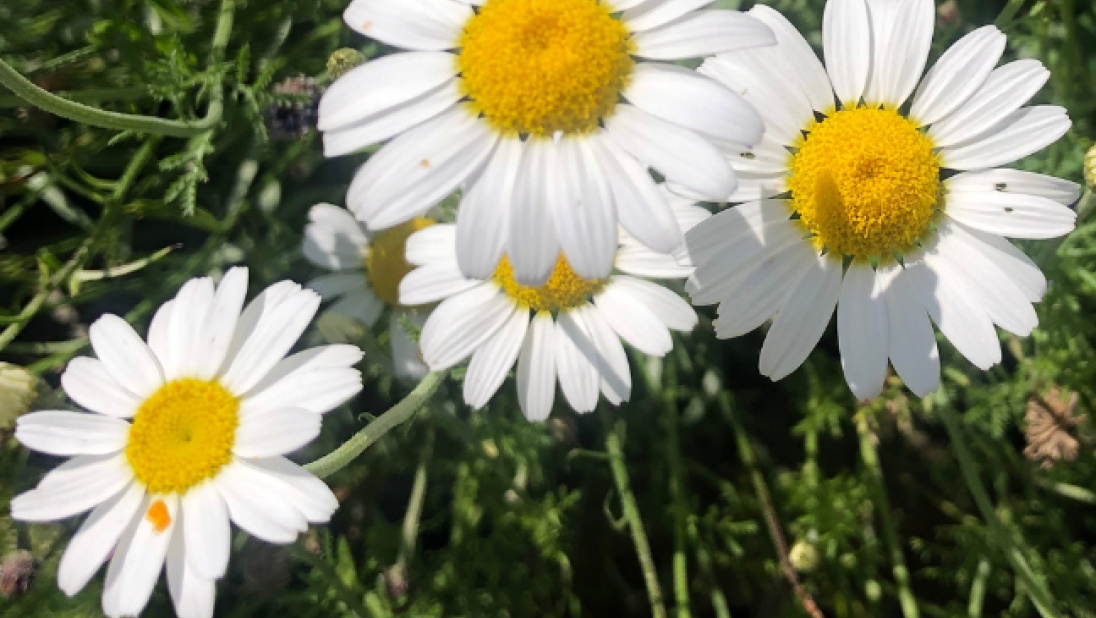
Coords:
pixel 883 508
pixel 1073 492
pixel 631 516
pixel 26 90
pixel 978 589
pixel 394 417
pixel 1034 585
pixel 411 518
pixel 1008 14
pixel 673 457
pixel 704 561
pixel 91 95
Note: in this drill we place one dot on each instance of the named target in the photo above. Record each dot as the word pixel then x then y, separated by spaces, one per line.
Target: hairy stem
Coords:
pixel 394 417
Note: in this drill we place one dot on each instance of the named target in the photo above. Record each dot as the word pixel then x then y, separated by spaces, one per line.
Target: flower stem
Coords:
pixel 1034 585
pixel 882 504
pixel 673 457
pixel 394 417
pixel 631 516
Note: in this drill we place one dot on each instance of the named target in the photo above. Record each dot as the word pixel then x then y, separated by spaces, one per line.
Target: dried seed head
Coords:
pixel 1049 423
pixel 295 112
pixel 17 574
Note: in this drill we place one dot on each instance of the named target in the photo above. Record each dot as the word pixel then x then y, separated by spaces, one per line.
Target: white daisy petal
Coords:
pixel 703 33
pixel 433 283
pixel 1023 132
pixel 308 494
pixel 670 308
pixel 695 102
pixel 862 331
pixel 158 332
pixel 957 315
pixel 333 239
pixel 901 51
pixel 728 227
pixel 1014 215
pixel 482 219
pixel 958 74
pixel 581 205
pixel 206 531
pixel 186 330
pixel 435 243
pixel 1005 91
pixel 406 355
pixel 650 15
pixel 138 561
pixel 91 545
pixel 269 433
pixel 846 33
pixel 427 25
pixel 277 329
pixel 801 321
pixel 221 322
pixel 87 382
pixel 71 433
pixel 418 169
pixel 636 259
pixel 576 362
pixel 783 105
pixel 532 245
pixel 642 209
pixel 462 323
pixel 493 360
pixel 536 375
pixel 255 504
pixel 1019 267
pixel 391 122
pixel 192 594
pixel 125 355
pixel 763 291
pixel 383 84
pixel 1007 180
pixel 715 280
pixel 616 376
pixel 753 187
pixel 75 486
pixel 632 321
pixel 361 304
pixel 912 348
pixel 800 57
pixel 333 286
pixel 679 154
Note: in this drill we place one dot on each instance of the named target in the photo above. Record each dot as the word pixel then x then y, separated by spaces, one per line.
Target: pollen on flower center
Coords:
pixel 182 435
pixel 866 183
pixel 542 66
pixel 385 261
pixel 563 290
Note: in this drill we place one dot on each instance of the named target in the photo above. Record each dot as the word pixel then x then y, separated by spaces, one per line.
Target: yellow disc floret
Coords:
pixel 386 262
pixel 182 435
pixel 563 290
pixel 542 66
pixel 866 183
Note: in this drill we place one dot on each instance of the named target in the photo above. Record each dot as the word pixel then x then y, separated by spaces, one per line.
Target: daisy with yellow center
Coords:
pixel 186 433
pixel 890 217
pixel 549 114
pixel 366 282
pixel 568 329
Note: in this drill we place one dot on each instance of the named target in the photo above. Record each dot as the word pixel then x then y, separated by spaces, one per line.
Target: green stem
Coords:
pixel 414 506
pixel 26 90
pixel 1034 585
pixel 978 589
pixel 1008 14
pixel 631 516
pixel 673 456
pixel 883 508
pixel 91 95
pixel 394 417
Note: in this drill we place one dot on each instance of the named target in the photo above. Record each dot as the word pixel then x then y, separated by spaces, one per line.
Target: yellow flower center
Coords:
pixel 386 261
pixel 542 66
pixel 182 435
pixel 563 290
pixel 865 183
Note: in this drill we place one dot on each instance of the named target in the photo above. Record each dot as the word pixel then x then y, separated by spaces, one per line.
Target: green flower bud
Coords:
pixel 18 389
pixel 1090 168
pixel 342 61
pixel 804 556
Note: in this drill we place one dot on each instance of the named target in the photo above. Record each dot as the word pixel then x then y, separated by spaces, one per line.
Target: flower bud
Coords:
pixel 17 573
pixel 342 61
pixel 1090 167
pixel 804 556
pixel 18 389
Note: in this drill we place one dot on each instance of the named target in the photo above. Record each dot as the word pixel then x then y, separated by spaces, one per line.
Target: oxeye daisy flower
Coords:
pixel 186 433
pixel 548 113
pixel 891 216
pixel 569 328
pixel 368 270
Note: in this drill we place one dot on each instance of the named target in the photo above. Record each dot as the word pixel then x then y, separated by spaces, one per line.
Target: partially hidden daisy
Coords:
pixel 549 115
pixel 570 328
pixel 892 217
pixel 186 433
pixel 368 270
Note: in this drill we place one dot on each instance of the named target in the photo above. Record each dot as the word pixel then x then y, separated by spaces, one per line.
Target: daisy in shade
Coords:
pixel 549 114
pixel 186 433
pixel 892 218
pixel 569 328
pixel 368 270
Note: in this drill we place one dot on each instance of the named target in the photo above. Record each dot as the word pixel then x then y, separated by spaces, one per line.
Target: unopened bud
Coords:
pixel 1090 168
pixel 17 574
pixel 18 389
pixel 342 61
pixel 804 556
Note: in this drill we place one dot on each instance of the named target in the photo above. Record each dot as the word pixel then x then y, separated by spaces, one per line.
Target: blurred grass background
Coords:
pixel 755 499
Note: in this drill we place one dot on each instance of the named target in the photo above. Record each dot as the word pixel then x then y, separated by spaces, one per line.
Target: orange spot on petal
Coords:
pixel 367 25
pixel 158 516
pixel 425 163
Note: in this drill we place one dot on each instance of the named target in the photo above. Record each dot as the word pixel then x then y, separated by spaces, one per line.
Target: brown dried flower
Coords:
pixel 1049 423
pixel 17 573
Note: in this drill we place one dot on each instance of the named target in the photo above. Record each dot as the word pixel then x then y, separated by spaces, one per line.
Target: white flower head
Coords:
pixel 548 113
pixel 368 270
pixel 570 328
pixel 186 433
pixel 892 218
